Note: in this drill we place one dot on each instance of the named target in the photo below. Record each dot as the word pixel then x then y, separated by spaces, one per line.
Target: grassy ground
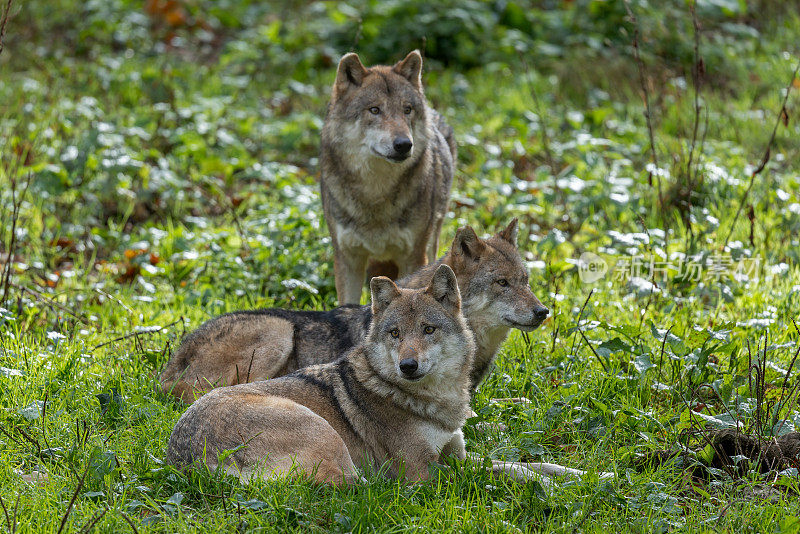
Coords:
pixel 172 156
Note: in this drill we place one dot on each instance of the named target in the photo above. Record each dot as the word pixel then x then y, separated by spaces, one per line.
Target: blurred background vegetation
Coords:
pixel 131 116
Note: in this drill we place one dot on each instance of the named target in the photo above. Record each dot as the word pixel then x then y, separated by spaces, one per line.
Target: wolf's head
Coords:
pixel 419 335
pixel 494 281
pixel 379 112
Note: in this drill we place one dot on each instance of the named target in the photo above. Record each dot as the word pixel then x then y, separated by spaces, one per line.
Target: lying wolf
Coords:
pixel 399 398
pixel 255 345
pixel 386 164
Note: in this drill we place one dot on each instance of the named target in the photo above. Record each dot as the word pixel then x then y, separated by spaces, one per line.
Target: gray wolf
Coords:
pixel 247 346
pixel 386 164
pixel 397 400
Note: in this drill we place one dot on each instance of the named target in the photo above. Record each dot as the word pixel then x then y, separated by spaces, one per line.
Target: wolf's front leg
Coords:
pixel 455 447
pixel 350 267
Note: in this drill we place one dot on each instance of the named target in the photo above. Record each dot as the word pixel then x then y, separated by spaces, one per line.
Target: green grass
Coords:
pixel 174 183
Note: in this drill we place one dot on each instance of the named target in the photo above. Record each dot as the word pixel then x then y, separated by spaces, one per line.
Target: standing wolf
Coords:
pixel 401 397
pixel 255 345
pixel 387 163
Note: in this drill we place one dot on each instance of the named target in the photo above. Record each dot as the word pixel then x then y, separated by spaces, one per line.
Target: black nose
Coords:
pixel 408 366
pixel 402 145
pixel 541 312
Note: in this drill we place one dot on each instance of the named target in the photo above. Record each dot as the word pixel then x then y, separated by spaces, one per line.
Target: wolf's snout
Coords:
pixel 408 366
pixel 541 313
pixel 402 145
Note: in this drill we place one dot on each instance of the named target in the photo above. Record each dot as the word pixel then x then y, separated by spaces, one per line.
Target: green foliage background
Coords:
pixel 172 151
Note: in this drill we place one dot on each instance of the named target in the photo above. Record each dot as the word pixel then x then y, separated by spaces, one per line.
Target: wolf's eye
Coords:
pixel 502 282
pixel 395 333
pixel 429 329
pixel 407 110
pixel 374 110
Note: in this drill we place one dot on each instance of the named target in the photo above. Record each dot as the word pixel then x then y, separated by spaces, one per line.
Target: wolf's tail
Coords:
pixel 447 131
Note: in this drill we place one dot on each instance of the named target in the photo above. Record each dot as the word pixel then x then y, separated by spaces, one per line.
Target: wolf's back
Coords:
pixel 447 132
pixel 254 345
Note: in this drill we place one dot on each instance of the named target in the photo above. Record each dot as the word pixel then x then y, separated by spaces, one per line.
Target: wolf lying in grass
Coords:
pixel 400 397
pixel 255 345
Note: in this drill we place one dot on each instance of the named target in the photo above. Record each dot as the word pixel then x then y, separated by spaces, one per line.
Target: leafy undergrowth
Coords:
pixel 171 152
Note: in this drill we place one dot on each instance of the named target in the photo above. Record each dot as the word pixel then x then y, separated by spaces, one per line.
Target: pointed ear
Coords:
pixel 509 233
pixel 384 291
pixel 411 68
pixel 467 244
pixel 350 73
pixel 444 288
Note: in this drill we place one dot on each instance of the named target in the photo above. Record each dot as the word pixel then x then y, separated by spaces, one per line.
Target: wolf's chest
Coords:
pixel 434 435
pixel 378 243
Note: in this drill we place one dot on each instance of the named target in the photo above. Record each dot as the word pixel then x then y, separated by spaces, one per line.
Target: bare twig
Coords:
pixel 14 515
pixel 8 519
pixel 782 113
pixel 788 374
pixel 16 205
pixel 249 367
pixel 357 37
pixel 663 346
pixel 580 317
pixel 599 359
pixel 540 115
pixel 698 69
pixel 44 419
pixel 134 334
pixel 90 525
pixel 72 501
pixel 647 111
pixel 25 435
pixel 50 302
pixel 128 520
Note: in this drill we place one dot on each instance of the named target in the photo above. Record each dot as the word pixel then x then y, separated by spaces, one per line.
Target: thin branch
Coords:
pixel 14 515
pixel 580 318
pixel 128 520
pixel 661 357
pixel 72 501
pixel 90 525
pixel 782 113
pixel 698 69
pixel 50 302
pixel 599 359
pixel 133 334
pixel 647 110
pixel 540 115
pixel 16 205
pixel 249 367
pixel 8 519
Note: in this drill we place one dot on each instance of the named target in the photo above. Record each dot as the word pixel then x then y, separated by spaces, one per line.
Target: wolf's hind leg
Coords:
pixel 234 349
pixel 260 352
pixel 275 437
